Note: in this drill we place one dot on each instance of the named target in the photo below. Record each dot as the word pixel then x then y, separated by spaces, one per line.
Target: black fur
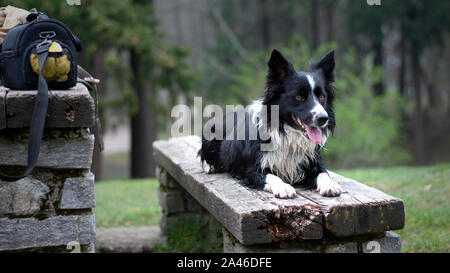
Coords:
pixel 241 158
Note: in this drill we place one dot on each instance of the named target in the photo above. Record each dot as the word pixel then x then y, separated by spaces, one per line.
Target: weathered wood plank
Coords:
pixel 359 210
pixel 58 153
pixel 2 108
pixel 252 216
pixel 66 109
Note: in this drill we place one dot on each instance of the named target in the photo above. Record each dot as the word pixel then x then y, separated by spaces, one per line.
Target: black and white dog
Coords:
pixel 306 119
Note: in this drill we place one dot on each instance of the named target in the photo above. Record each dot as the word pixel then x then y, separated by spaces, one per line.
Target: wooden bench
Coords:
pixel 359 220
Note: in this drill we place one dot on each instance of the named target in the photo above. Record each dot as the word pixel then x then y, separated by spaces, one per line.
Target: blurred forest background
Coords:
pixel 393 97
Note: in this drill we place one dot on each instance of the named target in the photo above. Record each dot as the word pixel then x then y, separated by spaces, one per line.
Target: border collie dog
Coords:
pixel 305 120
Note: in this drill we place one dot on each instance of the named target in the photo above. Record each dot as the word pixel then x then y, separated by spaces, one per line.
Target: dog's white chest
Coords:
pixel 288 153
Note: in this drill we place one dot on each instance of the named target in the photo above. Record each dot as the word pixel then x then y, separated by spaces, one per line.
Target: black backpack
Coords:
pixel 36 36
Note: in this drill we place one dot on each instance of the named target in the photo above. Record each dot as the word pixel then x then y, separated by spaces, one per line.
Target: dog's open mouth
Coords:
pixel 313 133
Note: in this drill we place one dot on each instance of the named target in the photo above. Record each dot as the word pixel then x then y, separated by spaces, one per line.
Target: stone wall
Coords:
pixel 50 210
pixel 176 204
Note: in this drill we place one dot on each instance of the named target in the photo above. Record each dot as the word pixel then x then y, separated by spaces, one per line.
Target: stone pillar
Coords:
pixel 50 210
pixel 177 204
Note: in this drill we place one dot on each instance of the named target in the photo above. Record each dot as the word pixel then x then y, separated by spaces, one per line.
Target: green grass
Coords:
pixel 127 203
pixel 426 194
pixel 193 234
pixel 425 191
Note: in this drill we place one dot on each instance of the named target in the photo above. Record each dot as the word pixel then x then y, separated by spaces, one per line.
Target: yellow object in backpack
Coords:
pixel 56 66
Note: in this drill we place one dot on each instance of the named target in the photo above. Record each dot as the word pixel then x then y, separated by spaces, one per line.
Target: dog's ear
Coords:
pixel 279 67
pixel 326 65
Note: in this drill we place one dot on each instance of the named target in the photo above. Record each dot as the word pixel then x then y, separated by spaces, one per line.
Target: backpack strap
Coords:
pixel 91 83
pixel 38 118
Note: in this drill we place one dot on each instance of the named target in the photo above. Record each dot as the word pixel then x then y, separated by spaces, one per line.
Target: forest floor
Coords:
pixel 425 191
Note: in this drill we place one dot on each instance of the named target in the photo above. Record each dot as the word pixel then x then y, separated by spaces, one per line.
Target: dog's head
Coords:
pixel 305 99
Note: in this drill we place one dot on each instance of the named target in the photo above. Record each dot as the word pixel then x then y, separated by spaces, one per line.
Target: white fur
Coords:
pixel 324 138
pixel 280 189
pixel 254 111
pixel 207 168
pixel 289 152
pixel 318 109
pixel 311 81
pixel 326 186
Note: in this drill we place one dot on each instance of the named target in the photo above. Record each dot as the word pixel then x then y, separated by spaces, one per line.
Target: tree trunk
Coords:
pixel 329 16
pixel 418 116
pixel 99 71
pixel 265 30
pixel 401 76
pixel 314 23
pixel 177 23
pixel 378 49
pixel 143 124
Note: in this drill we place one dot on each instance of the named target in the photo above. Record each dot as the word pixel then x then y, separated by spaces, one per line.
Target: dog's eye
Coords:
pixel 321 97
pixel 299 98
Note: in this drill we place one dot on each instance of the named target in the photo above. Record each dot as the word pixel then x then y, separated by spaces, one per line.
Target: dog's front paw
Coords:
pixel 327 187
pixel 207 168
pixel 280 189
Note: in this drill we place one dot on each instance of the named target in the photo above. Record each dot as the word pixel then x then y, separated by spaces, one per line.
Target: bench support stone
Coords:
pixel 177 205
pixel 388 242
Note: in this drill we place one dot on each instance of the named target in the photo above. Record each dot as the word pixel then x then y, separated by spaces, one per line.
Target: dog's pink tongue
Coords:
pixel 314 134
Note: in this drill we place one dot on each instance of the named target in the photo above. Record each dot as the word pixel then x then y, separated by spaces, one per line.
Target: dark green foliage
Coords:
pixel 423 23
pixel 369 129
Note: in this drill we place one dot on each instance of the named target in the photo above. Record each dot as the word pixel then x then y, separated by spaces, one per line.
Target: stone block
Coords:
pixel 342 247
pixel 23 233
pixel 166 180
pixel 231 245
pixel 23 197
pixel 171 201
pixel 56 153
pixel 71 108
pixel 389 243
pixel 190 204
pixel 78 192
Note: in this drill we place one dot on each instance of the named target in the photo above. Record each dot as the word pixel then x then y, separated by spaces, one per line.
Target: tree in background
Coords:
pixel 153 66
pixel 422 25
pixel 122 42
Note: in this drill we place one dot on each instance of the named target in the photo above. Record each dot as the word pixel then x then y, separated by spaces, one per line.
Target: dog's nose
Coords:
pixel 322 120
